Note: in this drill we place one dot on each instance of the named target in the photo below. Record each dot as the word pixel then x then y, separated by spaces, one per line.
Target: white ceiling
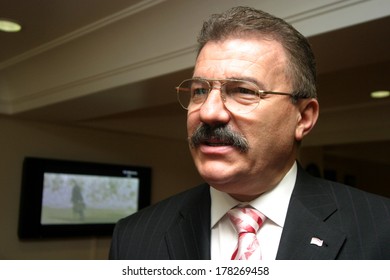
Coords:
pixel 352 61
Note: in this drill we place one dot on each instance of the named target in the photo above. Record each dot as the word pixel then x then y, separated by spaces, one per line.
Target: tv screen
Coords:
pixel 71 198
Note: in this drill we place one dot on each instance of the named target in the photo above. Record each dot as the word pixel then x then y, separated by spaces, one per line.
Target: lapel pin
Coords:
pixel 316 241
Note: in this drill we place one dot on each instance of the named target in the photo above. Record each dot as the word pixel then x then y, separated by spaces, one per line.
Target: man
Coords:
pixel 251 101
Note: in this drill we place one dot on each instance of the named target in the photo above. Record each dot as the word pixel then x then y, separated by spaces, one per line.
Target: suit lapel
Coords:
pixel 306 235
pixel 189 237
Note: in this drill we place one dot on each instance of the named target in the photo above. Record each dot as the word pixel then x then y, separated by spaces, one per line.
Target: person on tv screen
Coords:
pixel 78 202
pixel 251 100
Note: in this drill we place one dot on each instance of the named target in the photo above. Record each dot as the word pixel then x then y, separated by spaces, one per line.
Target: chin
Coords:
pixel 217 175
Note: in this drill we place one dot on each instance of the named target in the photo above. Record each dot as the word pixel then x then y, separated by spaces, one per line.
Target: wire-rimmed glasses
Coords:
pixel 238 96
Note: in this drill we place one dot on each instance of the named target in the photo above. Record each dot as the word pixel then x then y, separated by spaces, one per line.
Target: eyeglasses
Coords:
pixel 239 96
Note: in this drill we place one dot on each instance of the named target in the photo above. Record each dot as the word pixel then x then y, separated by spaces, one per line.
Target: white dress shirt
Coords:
pixel 273 204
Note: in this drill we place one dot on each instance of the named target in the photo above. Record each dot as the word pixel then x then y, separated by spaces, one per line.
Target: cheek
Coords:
pixel 192 124
pixel 272 130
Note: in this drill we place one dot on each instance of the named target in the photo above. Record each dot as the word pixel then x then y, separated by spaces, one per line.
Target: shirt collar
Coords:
pixel 273 203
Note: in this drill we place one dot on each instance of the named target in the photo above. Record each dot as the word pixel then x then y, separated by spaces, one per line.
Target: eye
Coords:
pixel 199 90
pixel 245 90
pixel 240 88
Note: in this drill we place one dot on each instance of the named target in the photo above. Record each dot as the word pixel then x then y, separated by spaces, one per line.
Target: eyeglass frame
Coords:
pixel 294 96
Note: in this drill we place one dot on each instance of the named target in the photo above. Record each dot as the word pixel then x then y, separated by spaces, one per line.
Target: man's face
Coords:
pixel 270 130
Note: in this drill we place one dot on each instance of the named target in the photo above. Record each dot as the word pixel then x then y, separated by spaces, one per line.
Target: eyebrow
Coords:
pixel 250 79
pixel 244 78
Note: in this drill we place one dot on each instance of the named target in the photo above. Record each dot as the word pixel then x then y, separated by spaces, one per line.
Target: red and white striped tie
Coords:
pixel 246 221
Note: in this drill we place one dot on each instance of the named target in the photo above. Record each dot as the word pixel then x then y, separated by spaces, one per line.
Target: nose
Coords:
pixel 213 110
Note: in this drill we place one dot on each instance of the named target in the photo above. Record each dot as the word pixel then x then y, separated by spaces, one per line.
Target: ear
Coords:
pixel 308 115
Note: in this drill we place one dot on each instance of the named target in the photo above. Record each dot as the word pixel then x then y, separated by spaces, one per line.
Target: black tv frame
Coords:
pixel 31 195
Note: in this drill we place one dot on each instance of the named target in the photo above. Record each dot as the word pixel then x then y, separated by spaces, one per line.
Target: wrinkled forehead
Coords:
pixel 235 58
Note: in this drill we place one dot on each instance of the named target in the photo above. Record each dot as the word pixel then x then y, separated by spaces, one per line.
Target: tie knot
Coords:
pixel 246 219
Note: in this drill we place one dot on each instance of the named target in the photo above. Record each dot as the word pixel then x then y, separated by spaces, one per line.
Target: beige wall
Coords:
pixel 370 175
pixel 170 161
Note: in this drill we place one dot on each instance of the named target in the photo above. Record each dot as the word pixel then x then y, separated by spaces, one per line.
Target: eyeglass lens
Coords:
pixel 238 96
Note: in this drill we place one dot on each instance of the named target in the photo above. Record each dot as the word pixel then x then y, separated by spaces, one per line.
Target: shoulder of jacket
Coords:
pixel 185 199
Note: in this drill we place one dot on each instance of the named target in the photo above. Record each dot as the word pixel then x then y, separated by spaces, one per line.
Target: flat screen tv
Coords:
pixel 61 198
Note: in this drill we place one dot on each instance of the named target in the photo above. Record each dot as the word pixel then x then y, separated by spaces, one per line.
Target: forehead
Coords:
pixel 234 58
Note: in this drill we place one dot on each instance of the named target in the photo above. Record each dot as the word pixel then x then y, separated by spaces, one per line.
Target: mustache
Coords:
pixel 224 134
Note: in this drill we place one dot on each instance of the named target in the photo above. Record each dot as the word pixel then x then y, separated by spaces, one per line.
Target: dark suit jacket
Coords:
pixel 352 224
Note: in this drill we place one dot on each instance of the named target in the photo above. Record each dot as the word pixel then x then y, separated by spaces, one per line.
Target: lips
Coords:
pixel 214 142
